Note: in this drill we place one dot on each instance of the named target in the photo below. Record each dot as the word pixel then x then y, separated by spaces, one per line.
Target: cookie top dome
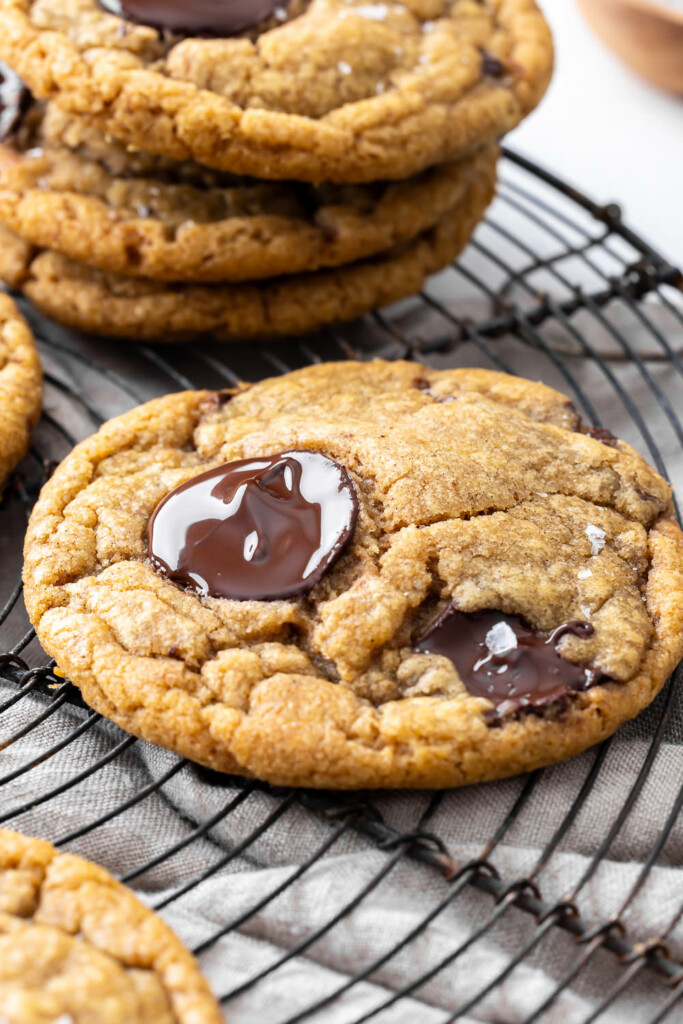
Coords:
pixel 477 493
pixel 338 90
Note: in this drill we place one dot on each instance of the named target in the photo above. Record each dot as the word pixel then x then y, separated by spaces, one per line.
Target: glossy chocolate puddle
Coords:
pixel 501 658
pixel 257 529
pixel 199 17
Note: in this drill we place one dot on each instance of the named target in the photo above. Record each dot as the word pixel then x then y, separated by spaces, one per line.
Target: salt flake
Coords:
pixel 597 538
pixel 500 638
pixel 375 12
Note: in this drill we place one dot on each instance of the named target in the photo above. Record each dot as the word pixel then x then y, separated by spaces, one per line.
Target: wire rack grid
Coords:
pixel 552 286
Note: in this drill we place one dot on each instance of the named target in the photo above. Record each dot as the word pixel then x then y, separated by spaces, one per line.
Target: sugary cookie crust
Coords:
pixel 77 945
pixel 168 229
pixel 107 304
pixel 344 91
pixel 473 486
pixel 21 387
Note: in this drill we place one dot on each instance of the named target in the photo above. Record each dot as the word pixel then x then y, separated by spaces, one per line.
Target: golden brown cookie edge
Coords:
pixel 21 388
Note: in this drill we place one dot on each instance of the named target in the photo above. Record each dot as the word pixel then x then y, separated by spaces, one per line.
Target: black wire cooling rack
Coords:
pixel 555 287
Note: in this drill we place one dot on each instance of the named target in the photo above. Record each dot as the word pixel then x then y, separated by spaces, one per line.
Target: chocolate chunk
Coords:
pixel 202 17
pixel 425 387
pixel 491 66
pixel 651 498
pixel 603 435
pixel 501 658
pixel 224 396
pixel 257 529
pixel 14 101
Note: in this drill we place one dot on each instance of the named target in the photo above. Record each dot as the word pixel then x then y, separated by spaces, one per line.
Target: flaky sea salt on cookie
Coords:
pixel 311 90
pixel 360 574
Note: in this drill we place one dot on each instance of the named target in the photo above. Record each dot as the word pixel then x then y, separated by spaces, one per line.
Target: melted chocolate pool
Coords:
pixel 499 657
pixel 196 18
pixel 257 529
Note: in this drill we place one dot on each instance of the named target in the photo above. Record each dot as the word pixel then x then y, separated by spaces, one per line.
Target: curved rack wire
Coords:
pixel 553 286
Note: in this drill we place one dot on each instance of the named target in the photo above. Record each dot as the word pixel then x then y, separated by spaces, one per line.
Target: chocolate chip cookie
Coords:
pixel 311 90
pixel 360 574
pixel 109 304
pixel 76 945
pixel 21 387
pixel 185 223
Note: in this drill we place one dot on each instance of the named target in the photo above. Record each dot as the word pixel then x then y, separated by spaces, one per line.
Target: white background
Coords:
pixel 609 133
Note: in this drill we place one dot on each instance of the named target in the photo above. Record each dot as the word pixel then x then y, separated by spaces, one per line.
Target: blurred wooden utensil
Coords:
pixel 647 35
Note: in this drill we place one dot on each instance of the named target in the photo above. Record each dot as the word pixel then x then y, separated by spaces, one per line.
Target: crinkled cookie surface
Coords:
pixel 77 946
pixel 475 489
pixel 343 90
pixel 21 387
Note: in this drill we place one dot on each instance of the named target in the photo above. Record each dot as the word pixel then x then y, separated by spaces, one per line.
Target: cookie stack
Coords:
pixel 251 169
